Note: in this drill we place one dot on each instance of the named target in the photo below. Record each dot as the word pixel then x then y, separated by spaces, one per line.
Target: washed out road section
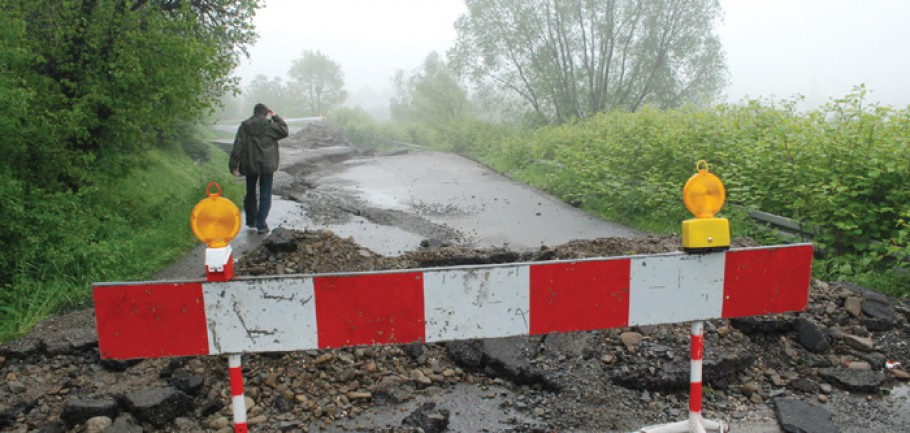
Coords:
pixel 465 203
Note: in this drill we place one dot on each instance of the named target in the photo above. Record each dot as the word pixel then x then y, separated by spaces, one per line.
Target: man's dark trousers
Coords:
pixel 258 214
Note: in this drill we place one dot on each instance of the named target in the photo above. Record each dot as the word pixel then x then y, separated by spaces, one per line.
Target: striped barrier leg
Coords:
pixel 695 423
pixel 237 400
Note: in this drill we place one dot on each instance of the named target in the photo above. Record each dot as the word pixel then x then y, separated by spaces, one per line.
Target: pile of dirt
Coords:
pixel 833 357
pixel 317 134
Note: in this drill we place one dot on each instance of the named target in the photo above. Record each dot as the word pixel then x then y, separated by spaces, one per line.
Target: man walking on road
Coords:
pixel 255 155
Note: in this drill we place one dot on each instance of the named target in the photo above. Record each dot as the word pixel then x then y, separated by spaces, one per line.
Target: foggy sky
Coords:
pixel 774 48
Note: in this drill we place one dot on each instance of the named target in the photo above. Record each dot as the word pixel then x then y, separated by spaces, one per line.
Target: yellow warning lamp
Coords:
pixel 704 195
pixel 215 220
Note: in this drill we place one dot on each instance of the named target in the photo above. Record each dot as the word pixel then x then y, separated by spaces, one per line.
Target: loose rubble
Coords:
pixel 317 134
pixel 824 367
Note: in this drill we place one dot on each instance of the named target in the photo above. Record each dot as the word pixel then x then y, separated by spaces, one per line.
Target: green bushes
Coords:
pixel 123 228
pixel 842 169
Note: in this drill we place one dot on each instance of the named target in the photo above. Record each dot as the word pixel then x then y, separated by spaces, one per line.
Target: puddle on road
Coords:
pixel 385 240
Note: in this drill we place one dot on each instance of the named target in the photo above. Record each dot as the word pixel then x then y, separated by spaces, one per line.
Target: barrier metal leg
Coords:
pixel 237 400
pixel 695 423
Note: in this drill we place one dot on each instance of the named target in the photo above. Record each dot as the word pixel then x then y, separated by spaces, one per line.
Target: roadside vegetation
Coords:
pixel 101 166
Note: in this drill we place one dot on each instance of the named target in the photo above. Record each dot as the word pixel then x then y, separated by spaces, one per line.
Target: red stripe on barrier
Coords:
pixel 698 347
pixel 369 309
pixel 236 378
pixel 763 281
pixel 695 397
pixel 151 320
pixel 578 296
pixel 240 428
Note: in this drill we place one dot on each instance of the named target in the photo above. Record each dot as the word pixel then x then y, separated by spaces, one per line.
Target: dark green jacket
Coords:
pixel 256 145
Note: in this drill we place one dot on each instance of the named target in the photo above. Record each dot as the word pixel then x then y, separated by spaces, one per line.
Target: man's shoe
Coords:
pixel 262 230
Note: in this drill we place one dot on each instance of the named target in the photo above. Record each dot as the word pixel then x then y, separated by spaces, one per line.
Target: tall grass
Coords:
pixel 119 229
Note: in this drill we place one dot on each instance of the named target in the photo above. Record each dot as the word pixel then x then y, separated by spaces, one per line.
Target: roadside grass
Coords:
pixel 209 132
pixel 124 229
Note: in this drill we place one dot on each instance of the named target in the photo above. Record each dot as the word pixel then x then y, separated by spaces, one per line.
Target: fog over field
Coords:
pixel 774 48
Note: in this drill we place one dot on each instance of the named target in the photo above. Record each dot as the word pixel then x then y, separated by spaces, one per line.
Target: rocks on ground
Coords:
pixel 812 363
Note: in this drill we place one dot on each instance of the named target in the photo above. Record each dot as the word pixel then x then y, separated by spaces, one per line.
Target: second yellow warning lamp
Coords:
pixel 704 196
pixel 216 221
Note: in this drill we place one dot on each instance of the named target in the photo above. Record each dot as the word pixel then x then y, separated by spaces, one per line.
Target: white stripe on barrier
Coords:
pixel 478 303
pixel 675 288
pixel 239 404
pixel 260 315
pixel 695 371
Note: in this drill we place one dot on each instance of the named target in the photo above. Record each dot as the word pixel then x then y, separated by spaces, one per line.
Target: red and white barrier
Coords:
pixel 160 319
pixel 238 401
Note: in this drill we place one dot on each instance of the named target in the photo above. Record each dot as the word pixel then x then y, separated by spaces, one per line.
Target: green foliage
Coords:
pixel 123 228
pixel 842 170
pixel 317 82
pixel 571 58
pixel 92 94
pixel 106 79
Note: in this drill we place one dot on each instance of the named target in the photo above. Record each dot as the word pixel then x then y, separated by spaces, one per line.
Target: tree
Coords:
pixel 274 93
pixel 431 94
pixel 106 79
pixel 572 58
pixel 318 81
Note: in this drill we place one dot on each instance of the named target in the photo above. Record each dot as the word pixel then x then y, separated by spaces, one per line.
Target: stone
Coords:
pixel 859 343
pixel 749 388
pixel 187 381
pixel 54 426
pixel 7 415
pixel 853 380
pixel 879 308
pixel 16 387
pixel 413 350
pixel 428 418
pixel 70 341
pixel 219 423
pixel 805 385
pixel 21 348
pixel 258 419
pixel 796 416
pixel 630 340
pixel 854 306
pixel 125 423
pixel 509 357
pixel 359 395
pixel 210 406
pixel 158 406
pixel 762 325
pixel 117 365
pixel 811 336
pixel 900 374
pixel 466 353
pixel 859 365
pixel 569 344
pixel 78 410
pixel 875 324
pixel 97 424
pixel 281 240
pixel 675 376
